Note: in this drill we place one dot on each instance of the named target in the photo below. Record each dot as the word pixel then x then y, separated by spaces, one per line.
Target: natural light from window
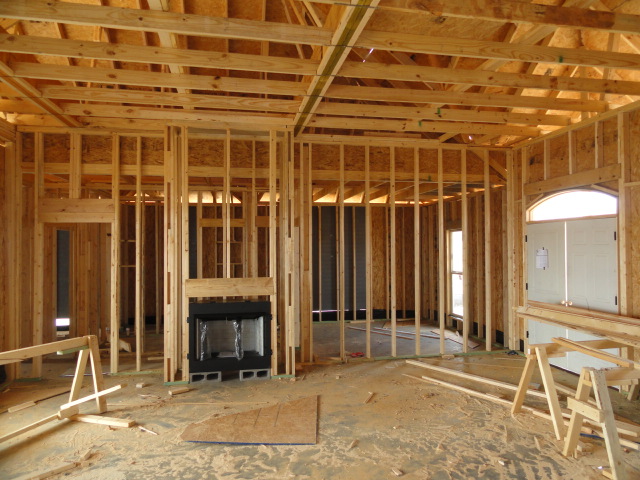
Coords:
pixel 574 204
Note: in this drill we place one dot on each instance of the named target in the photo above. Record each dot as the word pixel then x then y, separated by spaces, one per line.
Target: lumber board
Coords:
pixel 70 210
pixel 594 352
pixel 478 378
pixel 230 287
pixel 44 349
pixel 101 420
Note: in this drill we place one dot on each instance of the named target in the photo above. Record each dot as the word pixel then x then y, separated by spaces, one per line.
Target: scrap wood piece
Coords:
pixel 21 406
pixel 101 420
pixel 178 391
pixel 371 394
pixel 124 345
pixel 287 423
pixel 455 337
pixel 50 471
pixel 93 396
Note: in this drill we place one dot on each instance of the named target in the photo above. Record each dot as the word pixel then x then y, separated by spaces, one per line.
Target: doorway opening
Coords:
pixel 572 259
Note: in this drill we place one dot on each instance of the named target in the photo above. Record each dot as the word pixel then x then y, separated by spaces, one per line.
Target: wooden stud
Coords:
pixel 157 238
pixel 416 247
pixel 625 286
pixel 272 247
pixel 226 208
pixel 466 293
pixel 441 254
pixel 13 202
pixel 114 336
pixel 139 277
pixel 392 249
pixel 488 270
pixel 38 256
pixel 368 259
pixel 341 257
pixel 183 312
pixel 354 264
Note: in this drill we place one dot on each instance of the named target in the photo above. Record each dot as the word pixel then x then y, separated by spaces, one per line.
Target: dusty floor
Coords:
pixel 423 430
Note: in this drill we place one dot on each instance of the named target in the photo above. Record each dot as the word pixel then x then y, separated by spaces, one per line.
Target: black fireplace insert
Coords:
pixel 234 336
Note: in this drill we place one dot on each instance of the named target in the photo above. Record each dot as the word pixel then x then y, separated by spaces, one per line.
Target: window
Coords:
pixel 456 272
pixel 574 204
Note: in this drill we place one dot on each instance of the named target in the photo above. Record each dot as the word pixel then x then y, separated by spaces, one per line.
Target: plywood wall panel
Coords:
pixel 206 152
pixel 56 148
pixel 152 151
pixel 128 150
pixel 585 148
pixel 535 162
pixel 379 269
pixel 610 141
pixel 559 156
pixel 96 149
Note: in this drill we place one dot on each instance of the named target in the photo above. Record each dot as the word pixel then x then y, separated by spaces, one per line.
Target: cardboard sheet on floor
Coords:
pixel 19 395
pixel 287 423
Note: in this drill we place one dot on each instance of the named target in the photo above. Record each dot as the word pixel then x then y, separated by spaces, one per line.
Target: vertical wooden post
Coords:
pixel 199 246
pixel 114 336
pixel 368 260
pixel 416 247
pixel 354 263
pixel 273 150
pixel 441 252
pixel 392 249
pixel 157 235
pixel 253 213
pixel 182 332
pixel 467 318
pixel 341 255
pixel 139 290
pixel 625 292
pixel 488 290
pixel 38 255
pixel 13 199
pixel 512 272
pixel 226 208
pixel 319 263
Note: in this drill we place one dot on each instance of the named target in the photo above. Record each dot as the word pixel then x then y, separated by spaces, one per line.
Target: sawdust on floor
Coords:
pixel 418 430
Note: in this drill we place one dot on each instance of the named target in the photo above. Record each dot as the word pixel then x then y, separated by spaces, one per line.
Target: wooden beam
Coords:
pixel 160 21
pixel 75 210
pixel 230 287
pixel 420 126
pixel 476 48
pixel 580 179
pixel 162 55
pixel 484 78
pixel 32 95
pixel 464 99
pixel 435 114
pixel 511 11
pixel 346 34
pixel 146 97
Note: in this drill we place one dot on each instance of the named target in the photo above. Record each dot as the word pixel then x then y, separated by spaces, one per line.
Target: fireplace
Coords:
pixel 226 337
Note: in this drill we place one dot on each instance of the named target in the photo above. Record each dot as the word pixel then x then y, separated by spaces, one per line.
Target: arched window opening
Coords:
pixel 574 204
